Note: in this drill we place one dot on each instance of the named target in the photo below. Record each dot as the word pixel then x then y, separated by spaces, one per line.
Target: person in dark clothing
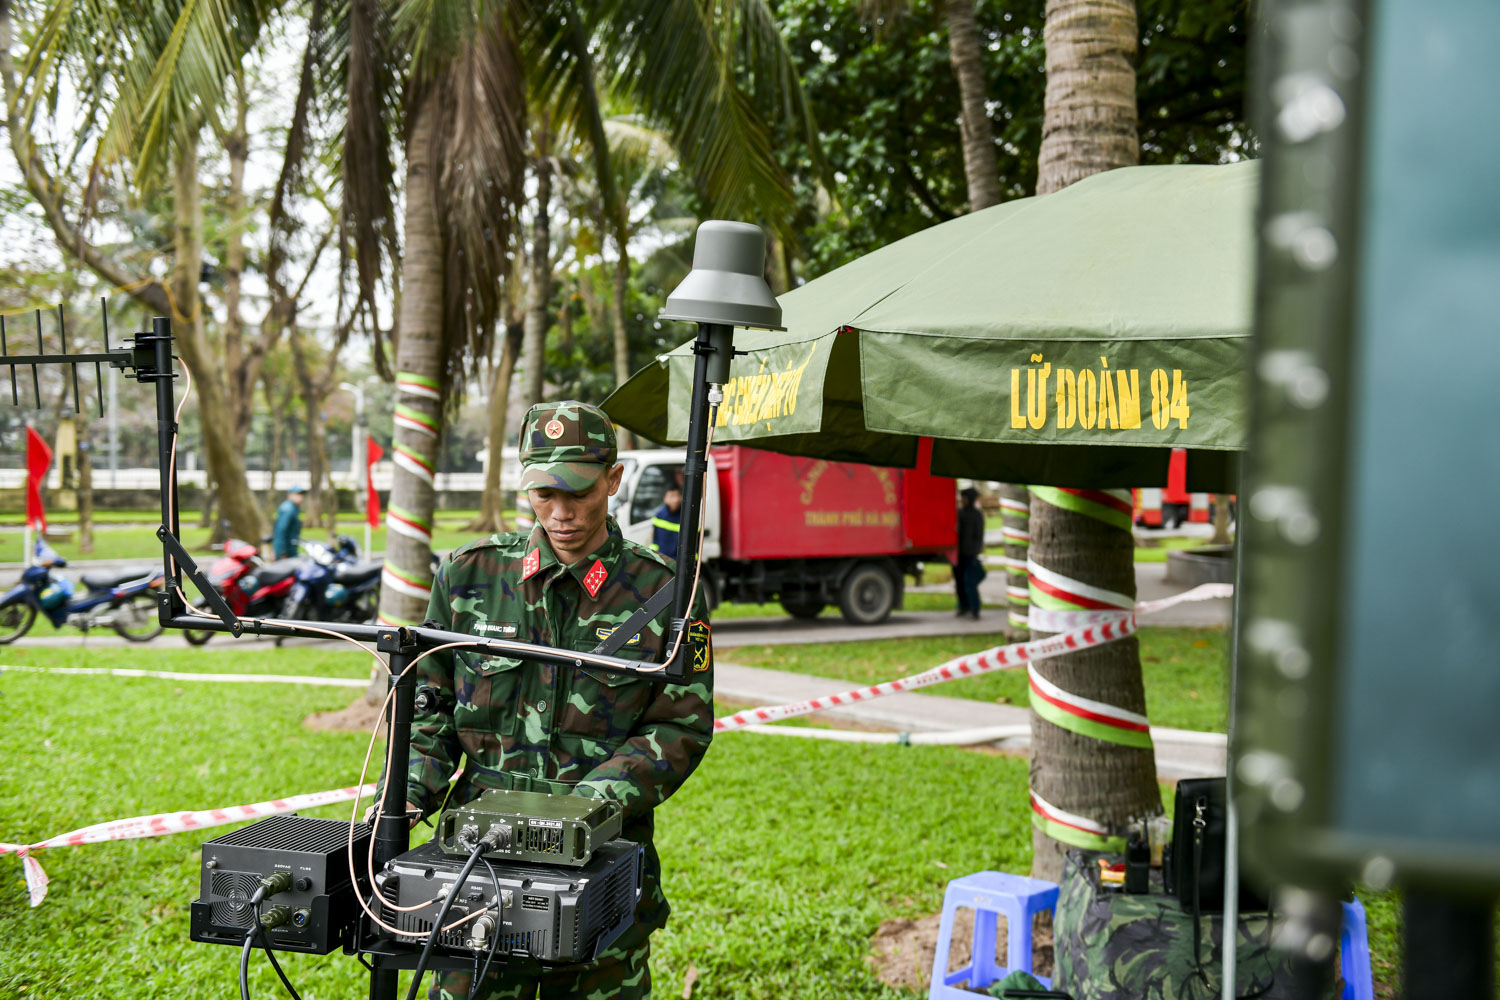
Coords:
pixel 666 523
pixel 969 569
pixel 288 531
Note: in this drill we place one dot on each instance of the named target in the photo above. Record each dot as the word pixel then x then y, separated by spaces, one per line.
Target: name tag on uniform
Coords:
pixel 605 631
pixel 505 630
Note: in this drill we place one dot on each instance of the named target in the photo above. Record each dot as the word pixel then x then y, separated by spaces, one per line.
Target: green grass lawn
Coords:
pixel 1157 549
pixel 1185 669
pixel 782 856
pixel 779 902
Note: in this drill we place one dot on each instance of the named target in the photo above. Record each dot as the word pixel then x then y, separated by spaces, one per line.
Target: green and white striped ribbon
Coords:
pixel 418 385
pixel 415 420
pixel 412 461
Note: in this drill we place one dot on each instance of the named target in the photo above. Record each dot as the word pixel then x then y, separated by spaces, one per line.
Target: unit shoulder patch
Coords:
pixel 698 634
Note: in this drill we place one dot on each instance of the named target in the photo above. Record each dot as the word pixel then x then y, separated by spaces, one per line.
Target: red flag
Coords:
pixel 38 459
pixel 373 454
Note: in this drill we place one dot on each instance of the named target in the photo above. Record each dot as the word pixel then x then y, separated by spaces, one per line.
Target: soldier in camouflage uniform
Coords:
pixel 519 724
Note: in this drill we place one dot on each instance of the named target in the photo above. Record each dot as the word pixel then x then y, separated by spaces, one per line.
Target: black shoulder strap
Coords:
pixel 622 633
pixel 1199 826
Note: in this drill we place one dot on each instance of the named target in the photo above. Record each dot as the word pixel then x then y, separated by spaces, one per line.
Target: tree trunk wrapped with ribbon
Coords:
pixel 1092 765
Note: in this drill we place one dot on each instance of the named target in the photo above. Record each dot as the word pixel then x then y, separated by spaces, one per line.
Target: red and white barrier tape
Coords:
pixel 160 824
pixel 1117 626
pixel 1092 628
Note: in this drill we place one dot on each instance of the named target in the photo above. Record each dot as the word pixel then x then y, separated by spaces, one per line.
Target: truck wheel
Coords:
pixel 805 609
pixel 867 596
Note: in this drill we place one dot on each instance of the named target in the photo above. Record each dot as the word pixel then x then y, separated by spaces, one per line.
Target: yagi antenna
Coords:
pixel 126 359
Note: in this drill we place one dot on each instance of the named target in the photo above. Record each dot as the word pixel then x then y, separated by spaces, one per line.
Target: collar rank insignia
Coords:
pixel 703 652
pixel 595 578
pixel 531 564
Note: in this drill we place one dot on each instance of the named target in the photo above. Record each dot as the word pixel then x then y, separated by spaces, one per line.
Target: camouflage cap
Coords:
pixel 565 446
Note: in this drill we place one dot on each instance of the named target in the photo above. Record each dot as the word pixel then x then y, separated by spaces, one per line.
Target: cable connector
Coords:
pixel 496 837
pixel 270 885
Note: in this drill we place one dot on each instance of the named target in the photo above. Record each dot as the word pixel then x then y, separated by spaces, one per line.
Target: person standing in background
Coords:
pixel 967 571
pixel 666 523
pixel 288 530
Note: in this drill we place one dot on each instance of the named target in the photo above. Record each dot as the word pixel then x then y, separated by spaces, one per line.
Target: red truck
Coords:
pixel 802 531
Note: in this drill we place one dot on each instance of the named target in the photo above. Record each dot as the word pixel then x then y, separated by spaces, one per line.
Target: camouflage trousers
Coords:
pixel 621 972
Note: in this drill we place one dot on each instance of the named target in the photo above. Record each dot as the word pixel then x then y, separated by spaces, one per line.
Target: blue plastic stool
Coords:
pixel 1019 899
pixel 1354 954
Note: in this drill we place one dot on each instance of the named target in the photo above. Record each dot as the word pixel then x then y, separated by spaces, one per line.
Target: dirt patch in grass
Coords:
pixel 358 716
pixel 903 948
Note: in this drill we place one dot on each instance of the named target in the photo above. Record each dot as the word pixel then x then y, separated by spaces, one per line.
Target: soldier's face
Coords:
pixel 575 523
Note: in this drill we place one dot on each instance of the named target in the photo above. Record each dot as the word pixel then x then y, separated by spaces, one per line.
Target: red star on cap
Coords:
pixel 531 564
pixel 595 578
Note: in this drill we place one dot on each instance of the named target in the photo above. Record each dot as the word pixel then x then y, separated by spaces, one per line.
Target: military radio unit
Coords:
pixel 555 886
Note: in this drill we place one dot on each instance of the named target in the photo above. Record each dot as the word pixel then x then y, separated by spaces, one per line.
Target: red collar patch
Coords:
pixel 595 578
pixel 531 564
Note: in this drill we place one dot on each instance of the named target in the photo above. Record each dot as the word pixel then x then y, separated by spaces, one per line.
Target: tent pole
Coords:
pixel 1229 946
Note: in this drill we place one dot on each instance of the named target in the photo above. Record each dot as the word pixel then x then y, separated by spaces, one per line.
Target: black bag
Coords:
pixel 1193 865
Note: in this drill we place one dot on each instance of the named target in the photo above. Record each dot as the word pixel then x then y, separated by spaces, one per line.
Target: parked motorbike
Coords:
pixel 250 586
pixel 334 585
pixel 124 601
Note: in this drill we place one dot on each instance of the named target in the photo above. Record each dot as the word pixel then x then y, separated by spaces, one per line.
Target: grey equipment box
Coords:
pixel 551 914
pixel 531 826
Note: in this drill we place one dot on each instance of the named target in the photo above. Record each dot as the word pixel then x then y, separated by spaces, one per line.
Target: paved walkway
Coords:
pixel 1179 753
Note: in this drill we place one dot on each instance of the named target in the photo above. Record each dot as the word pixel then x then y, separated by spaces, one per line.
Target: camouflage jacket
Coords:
pixel 520 724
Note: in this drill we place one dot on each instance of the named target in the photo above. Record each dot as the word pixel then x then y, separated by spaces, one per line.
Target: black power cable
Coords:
pixel 495 937
pixel 256 929
pixel 265 942
pixel 245 961
pixel 437 923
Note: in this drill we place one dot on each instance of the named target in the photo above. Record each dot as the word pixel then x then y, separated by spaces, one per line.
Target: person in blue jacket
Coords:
pixel 666 523
pixel 288 530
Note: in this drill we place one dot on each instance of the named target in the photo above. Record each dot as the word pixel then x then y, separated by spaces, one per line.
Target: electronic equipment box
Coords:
pixel 315 913
pixel 531 826
pixel 551 914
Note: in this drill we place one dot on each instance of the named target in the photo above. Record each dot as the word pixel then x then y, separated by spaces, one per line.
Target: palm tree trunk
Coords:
pixel 1221 520
pixel 419 368
pixel 315 391
pixel 1015 520
pixel 226 465
pixel 237 149
pixel 1101 780
pixel 1089 126
pixel 539 280
pixel 1089 118
pixel 967 58
pixel 622 329
pixel 492 503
